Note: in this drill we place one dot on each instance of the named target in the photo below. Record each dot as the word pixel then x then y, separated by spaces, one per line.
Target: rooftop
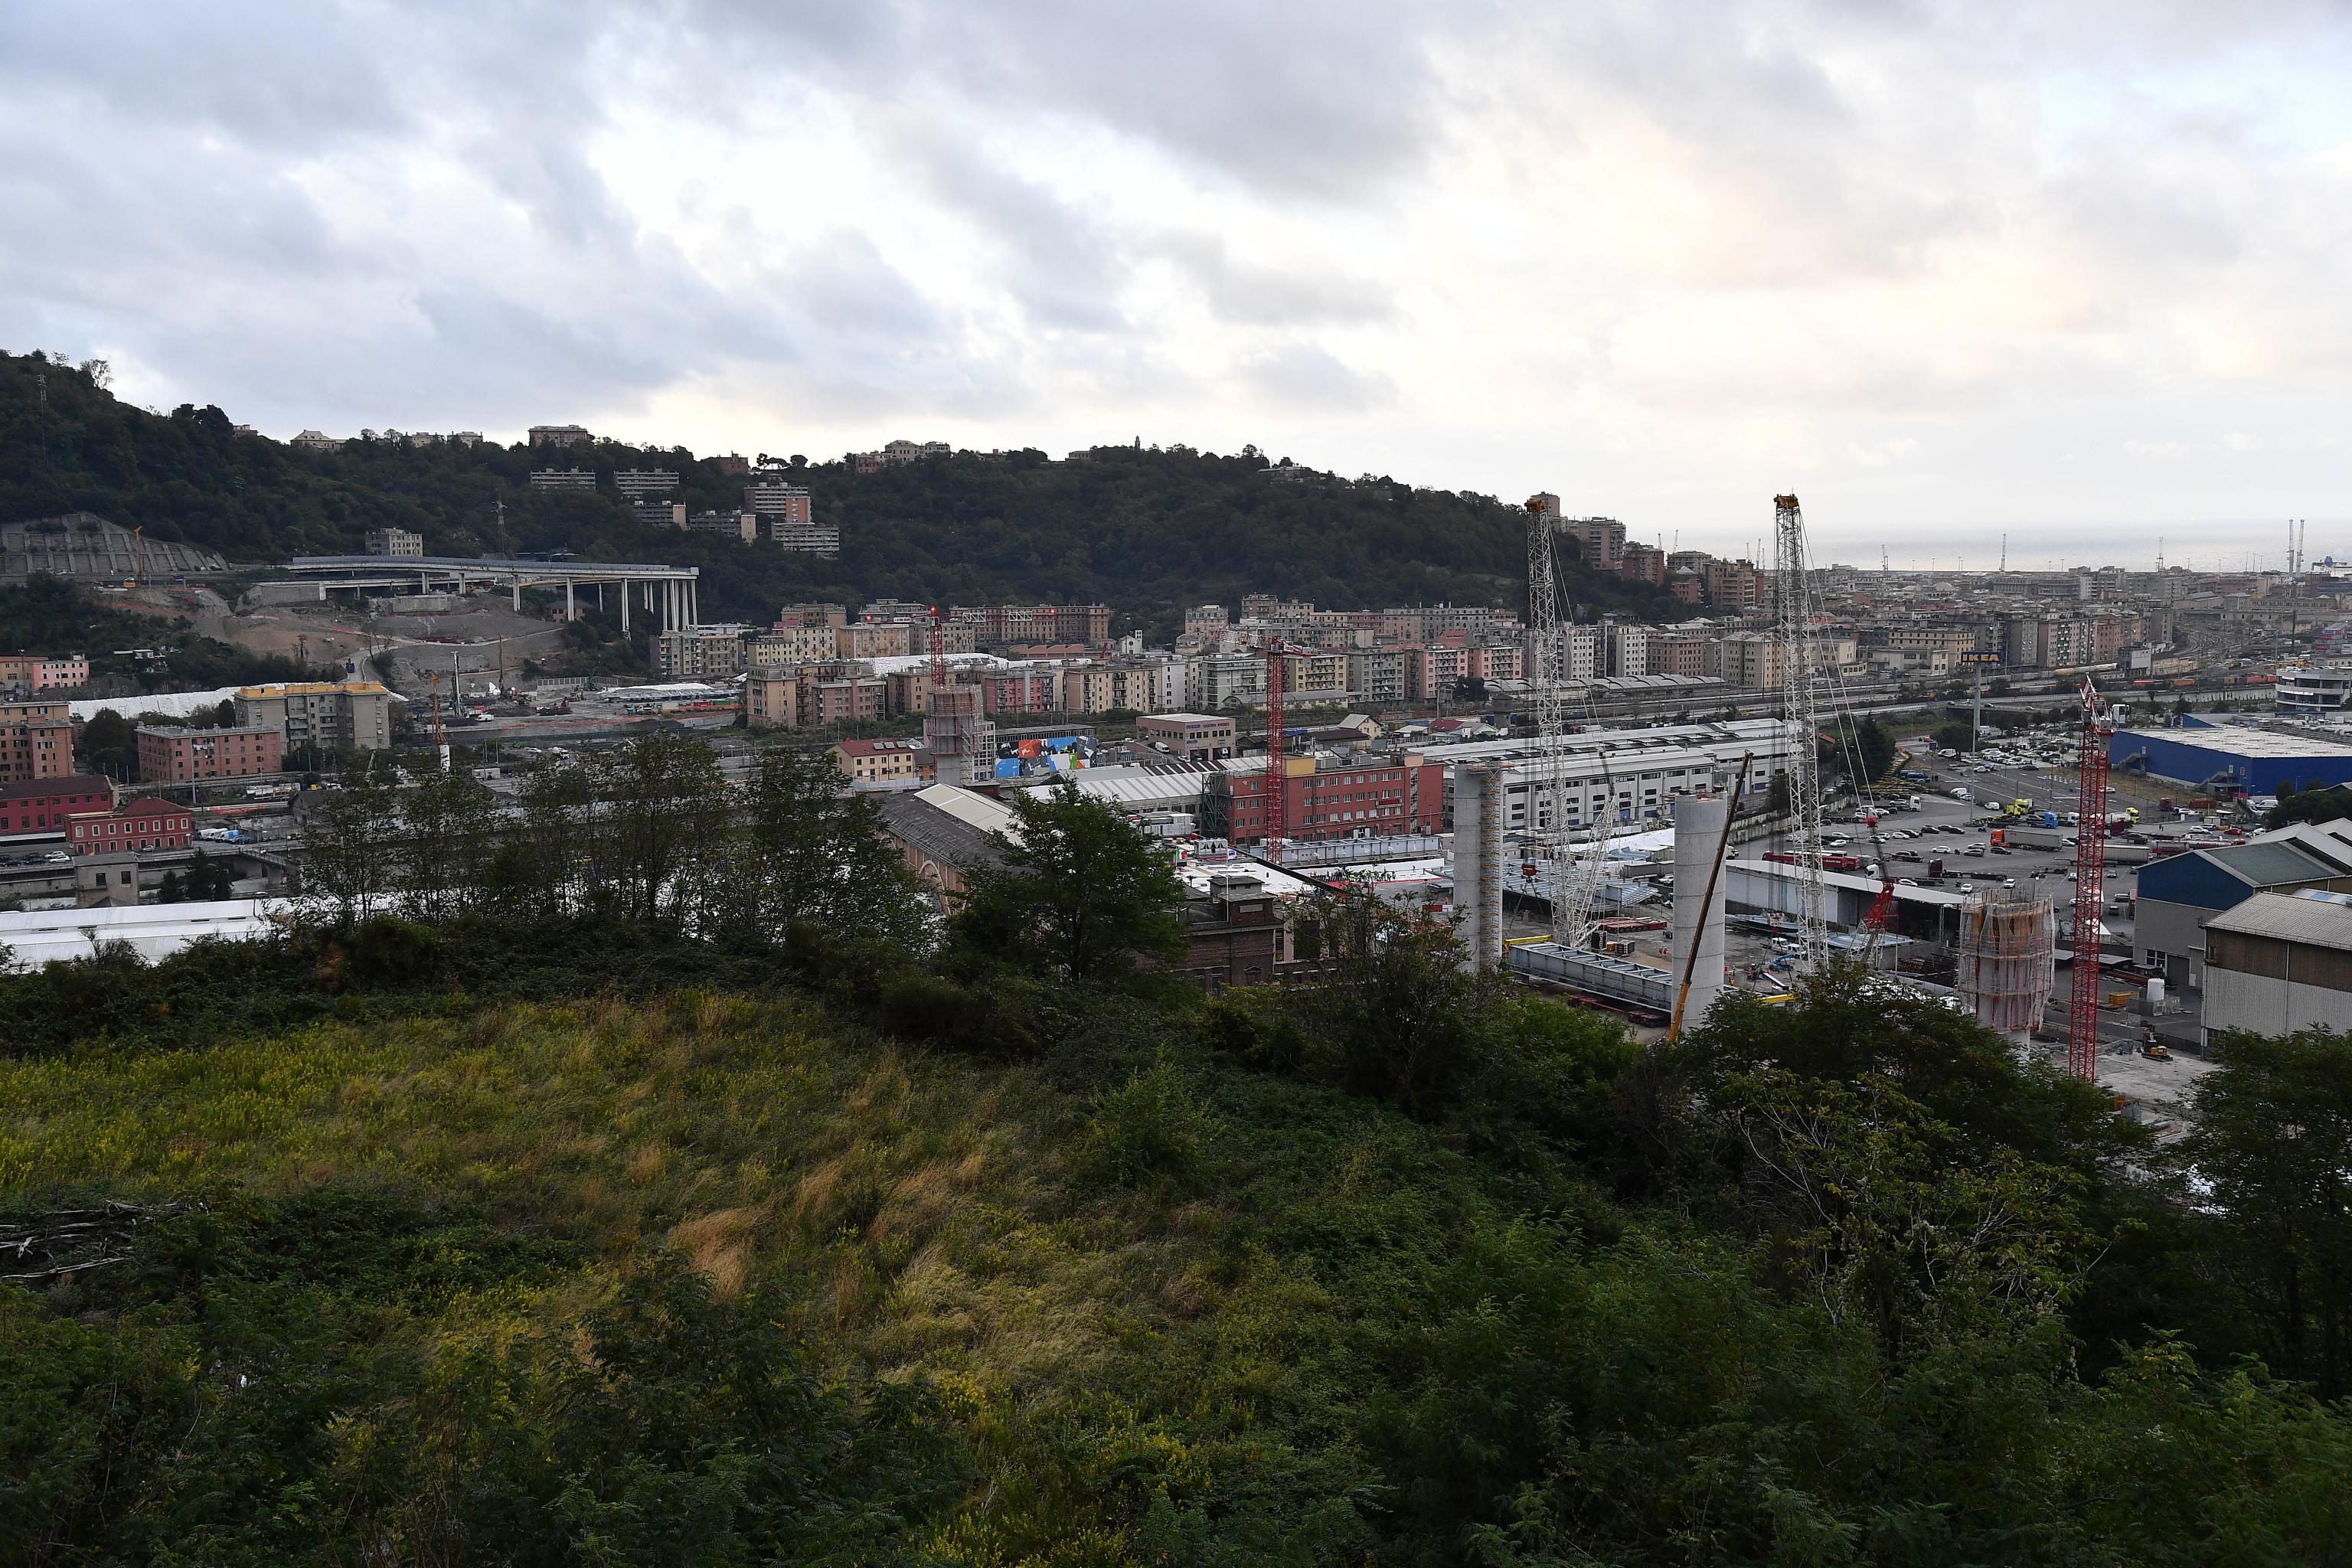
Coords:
pixel 2243 741
pixel 2321 920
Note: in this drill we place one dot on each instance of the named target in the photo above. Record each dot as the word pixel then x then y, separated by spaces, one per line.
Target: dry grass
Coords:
pixel 920 1216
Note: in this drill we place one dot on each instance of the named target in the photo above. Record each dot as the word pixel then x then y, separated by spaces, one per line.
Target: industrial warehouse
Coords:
pixel 2232 759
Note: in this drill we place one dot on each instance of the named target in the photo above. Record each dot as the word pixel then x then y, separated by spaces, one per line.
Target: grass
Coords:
pixel 1142 1281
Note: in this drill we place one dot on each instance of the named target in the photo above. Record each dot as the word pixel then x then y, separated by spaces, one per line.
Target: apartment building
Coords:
pixel 1088 688
pixel 1673 652
pixel 772 700
pixel 1491 661
pixel 333 716
pixel 564 479
pixel 1752 661
pixel 36 741
pixel 742 525
pixel 1225 680
pixel 1627 648
pixel 1733 585
pixel 1032 689
pixel 702 653
pixel 783 646
pixel 849 700
pixel 37 672
pixel 172 753
pixel 1432 670
pixel 871 640
pixel 1377 676
pixel 998 626
pixel 558 435
pixel 646 484
pixel 1601 539
pixel 396 541
pixel 1642 563
pixel 142 825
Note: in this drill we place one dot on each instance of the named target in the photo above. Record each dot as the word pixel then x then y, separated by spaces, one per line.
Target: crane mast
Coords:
pixel 2090 885
pixel 1793 599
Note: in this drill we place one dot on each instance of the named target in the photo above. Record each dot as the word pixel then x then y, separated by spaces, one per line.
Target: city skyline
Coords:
pixel 2070 276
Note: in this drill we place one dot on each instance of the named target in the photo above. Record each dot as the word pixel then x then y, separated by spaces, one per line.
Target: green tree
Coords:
pixel 350 846
pixel 2329 804
pixel 449 832
pixel 660 828
pixel 1400 1016
pixel 807 852
pixel 109 745
pixel 1081 893
pixel 2272 1135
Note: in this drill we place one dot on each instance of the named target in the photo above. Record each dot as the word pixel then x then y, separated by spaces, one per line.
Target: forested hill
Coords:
pixel 1143 529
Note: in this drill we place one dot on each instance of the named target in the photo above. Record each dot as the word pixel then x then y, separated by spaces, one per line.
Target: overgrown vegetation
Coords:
pixel 1148 532
pixel 605 1230
pixel 50 614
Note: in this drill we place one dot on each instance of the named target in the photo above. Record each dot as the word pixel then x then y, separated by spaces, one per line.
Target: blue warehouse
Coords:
pixel 2227 758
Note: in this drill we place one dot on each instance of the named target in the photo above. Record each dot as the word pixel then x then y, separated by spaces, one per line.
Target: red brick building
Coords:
pixel 1328 797
pixel 144 824
pixel 169 754
pixel 49 805
pixel 1233 937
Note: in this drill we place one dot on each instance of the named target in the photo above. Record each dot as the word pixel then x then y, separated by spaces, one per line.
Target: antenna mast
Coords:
pixel 1803 726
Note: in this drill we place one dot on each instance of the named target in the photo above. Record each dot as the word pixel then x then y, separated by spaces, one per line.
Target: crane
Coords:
pixel 2089 884
pixel 1790 593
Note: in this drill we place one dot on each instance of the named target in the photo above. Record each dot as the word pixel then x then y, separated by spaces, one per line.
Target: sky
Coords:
pixel 2070 274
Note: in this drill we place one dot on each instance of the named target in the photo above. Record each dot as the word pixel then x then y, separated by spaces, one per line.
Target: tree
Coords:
pixel 109 744
pixel 351 862
pixel 450 829
pixel 808 852
pixel 1402 1019
pixel 1081 893
pixel 1878 750
pixel 2310 806
pixel 2274 1136
pixel 1954 736
pixel 660 822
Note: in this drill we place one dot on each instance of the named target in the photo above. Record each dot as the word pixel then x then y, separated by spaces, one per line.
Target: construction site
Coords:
pixel 1586 870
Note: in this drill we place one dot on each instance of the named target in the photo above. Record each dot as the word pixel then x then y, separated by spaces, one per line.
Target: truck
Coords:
pixel 2036 837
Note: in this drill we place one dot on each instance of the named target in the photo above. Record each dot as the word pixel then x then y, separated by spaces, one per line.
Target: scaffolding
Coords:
pixel 2008 959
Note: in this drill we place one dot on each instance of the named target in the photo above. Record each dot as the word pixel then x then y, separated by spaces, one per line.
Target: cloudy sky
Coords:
pixel 2075 273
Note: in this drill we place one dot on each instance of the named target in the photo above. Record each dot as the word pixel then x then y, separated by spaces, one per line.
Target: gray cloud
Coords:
pixel 1300 378
pixel 2126 218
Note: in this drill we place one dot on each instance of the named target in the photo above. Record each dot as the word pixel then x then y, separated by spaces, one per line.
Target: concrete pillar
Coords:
pixel 625 609
pixel 570 610
pixel 1698 920
pixel 515 585
pixel 1479 812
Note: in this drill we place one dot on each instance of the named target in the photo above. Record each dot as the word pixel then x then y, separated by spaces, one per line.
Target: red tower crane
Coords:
pixel 938 652
pixel 2090 885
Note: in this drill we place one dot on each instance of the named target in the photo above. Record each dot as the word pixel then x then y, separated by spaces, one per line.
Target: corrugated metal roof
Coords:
pixel 2314 922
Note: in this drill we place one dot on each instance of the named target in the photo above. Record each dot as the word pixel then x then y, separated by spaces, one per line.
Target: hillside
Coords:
pixel 1148 532
pixel 479 1235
